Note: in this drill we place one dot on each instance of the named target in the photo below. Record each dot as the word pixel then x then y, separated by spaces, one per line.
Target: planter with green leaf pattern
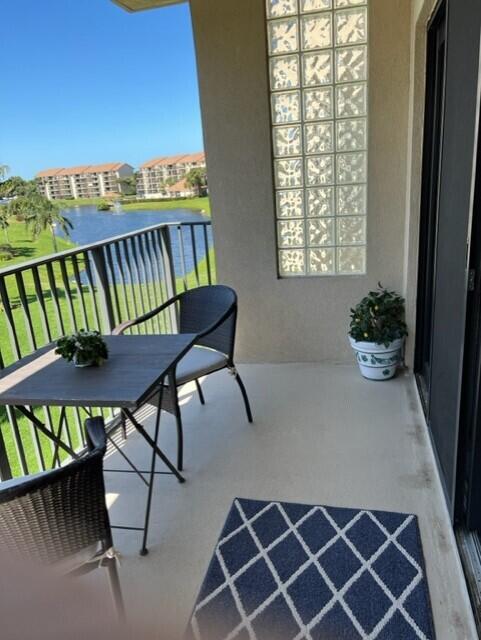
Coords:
pixel 378 361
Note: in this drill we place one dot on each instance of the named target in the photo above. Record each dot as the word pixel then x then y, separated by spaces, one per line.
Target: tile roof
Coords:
pixel 48 172
pixel 177 159
pixel 82 169
pixel 180 186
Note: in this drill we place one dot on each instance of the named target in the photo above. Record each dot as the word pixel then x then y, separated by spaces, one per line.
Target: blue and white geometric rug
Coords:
pixel 286 571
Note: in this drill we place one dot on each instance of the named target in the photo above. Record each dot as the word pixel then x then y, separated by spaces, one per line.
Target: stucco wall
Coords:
pixel 302 319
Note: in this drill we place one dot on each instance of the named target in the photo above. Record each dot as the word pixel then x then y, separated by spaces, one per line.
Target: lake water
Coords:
pixel 91 225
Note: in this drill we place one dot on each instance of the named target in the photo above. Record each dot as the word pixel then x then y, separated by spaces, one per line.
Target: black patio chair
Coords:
pixel 60 518
pixel 211 313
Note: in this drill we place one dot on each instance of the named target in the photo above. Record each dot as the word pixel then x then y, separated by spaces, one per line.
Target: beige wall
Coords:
pixel 301 319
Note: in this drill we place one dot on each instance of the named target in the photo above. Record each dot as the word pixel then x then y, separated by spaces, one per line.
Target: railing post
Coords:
pixel 5 469
pixel 169 273
pixel 103 288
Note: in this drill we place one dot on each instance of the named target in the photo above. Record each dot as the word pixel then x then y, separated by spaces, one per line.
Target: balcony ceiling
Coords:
pixel 142 5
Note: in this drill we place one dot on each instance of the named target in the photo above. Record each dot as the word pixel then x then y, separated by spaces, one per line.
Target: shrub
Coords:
pixel 83 347
pixel 379 317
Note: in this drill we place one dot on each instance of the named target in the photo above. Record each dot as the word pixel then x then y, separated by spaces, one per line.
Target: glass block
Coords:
pixel 290 204
pixel 349 3
pixel 351 230
pixel 316 31
pixel 287 140
pixel 351 26
pixel 319 137
pixel 284 72
pixel 351 260
pixel 317 68
pixel 351 100
pixel 288 173
pixel 351 64
pixel 315 5
pixel 320 202
pixel 290 233
pixel 286 107
pixel 283 36
pixel 351 135
pixel 352 200
pixel 292 262
pixel 351 167
pixel 281 8
pixel 318 104
pixel 320 170
pixel 322 261
pixel 321 232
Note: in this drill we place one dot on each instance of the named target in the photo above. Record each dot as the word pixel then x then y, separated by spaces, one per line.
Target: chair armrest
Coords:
pixel 96 436
pixel 119 329
pixel 123 326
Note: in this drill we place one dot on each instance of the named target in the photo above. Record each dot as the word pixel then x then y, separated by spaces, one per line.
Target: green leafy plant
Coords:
pixel 84 348
pixel 379 318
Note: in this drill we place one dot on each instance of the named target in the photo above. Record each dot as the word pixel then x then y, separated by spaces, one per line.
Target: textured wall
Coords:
pixel 296 319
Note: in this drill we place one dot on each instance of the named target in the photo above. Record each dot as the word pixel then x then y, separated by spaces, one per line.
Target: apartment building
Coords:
pixel 155 176
pixel 85 181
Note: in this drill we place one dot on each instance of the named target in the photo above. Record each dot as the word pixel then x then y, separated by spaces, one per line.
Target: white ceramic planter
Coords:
pixel 376 361
pixel 82 365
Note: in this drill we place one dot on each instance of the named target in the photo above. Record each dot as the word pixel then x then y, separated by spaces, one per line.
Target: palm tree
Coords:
pixel 40 214
pixel 4 223
pixel 197 179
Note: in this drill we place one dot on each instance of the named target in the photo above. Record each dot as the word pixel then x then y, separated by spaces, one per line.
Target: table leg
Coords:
pixel 144 550
pixel 46 432
pixel 154 445
pixel 56 457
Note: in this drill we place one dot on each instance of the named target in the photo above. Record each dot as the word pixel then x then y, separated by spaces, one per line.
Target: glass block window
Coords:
pixel 318 72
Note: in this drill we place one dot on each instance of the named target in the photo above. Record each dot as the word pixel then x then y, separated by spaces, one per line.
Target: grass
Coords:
pixel 142 205
pixel 185 203
pixel 26 248
pixel 61 314
pixel 79 202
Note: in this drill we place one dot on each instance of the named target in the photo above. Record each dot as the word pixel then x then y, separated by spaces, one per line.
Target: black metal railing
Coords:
pixel 96 286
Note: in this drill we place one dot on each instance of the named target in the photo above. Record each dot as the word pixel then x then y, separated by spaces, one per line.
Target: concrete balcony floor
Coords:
pixel 322 435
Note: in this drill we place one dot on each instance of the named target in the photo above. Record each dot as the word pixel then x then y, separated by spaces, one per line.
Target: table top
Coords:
pixel 135 366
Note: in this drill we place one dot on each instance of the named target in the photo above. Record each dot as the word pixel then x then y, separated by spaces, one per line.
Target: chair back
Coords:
pixel 211 307
pixel 56 514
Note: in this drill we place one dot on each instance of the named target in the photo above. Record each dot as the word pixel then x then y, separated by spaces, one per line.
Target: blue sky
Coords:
pixel 84 82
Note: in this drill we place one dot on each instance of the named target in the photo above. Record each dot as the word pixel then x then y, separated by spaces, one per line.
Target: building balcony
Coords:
pixel 321 433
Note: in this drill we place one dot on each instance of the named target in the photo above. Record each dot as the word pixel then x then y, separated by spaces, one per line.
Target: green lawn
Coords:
pixel 80 202
pixel 201 204
pixel 26 248
pixel 62 313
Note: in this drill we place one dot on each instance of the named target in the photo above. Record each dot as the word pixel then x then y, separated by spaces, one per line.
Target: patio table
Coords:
pixel 136 369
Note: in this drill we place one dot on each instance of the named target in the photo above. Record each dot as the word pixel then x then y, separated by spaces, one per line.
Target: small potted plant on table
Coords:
pixel 83 348
pixel 377 333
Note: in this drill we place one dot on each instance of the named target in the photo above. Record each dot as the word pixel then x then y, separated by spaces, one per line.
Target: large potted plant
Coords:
pixel 377 333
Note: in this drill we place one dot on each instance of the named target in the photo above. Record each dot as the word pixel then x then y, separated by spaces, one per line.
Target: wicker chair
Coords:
pixel 60 518
pixel 211 313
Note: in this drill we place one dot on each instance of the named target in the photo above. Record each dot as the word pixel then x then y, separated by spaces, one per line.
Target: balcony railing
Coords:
pixel 95 286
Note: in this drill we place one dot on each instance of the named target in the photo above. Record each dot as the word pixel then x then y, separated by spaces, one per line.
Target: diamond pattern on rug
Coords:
pixel 285 571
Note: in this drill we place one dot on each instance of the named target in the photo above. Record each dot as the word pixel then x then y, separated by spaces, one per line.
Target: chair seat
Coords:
pixel 199 361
